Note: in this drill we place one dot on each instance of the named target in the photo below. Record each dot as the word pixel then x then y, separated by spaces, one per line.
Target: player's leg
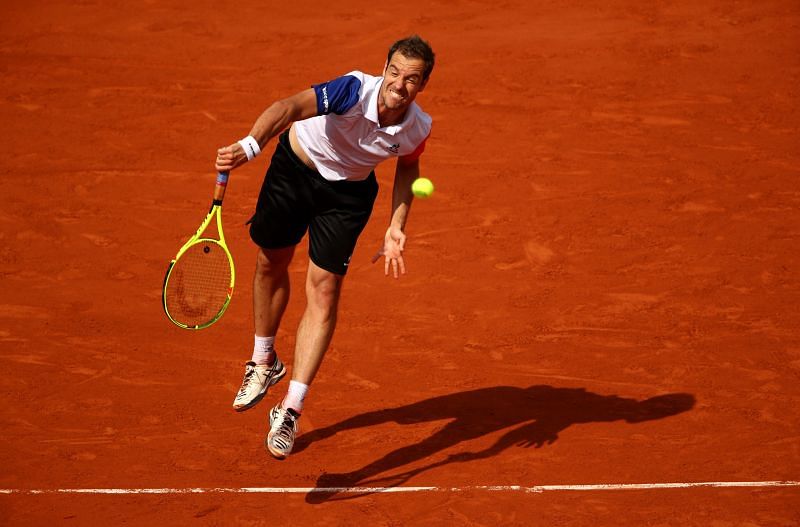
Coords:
pixel 314 335
pixel 318 322
pixel 270 297
pixel 279 223
pixel 271 289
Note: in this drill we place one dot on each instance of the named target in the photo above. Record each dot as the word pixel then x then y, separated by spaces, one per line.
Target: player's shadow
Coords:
pixel 536 415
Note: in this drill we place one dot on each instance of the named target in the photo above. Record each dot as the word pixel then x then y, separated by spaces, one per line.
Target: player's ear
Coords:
pixel 385 65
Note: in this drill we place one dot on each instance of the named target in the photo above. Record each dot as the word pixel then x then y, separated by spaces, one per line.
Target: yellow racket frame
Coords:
pixel 214 213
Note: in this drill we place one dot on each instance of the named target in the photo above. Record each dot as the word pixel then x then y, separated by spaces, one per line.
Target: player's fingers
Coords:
pixel 402 265
pixel 386 266
pixel 394 267
pixel 223 161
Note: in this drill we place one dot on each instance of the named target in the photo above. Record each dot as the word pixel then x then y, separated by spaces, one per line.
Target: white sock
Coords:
pixel 295 396
pixel 263 350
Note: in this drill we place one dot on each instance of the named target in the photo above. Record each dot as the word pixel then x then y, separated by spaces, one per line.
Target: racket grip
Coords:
pixel 222 184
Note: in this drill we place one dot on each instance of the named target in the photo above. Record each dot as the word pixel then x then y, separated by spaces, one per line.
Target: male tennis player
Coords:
pixel 321 179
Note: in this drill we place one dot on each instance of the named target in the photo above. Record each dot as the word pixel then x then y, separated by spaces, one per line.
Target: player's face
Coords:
pixel 402 81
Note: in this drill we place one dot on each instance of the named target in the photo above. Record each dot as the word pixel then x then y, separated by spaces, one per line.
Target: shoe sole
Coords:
pixel 275 453
pixel 272 382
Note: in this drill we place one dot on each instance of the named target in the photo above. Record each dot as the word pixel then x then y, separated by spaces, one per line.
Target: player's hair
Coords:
pixel 414 47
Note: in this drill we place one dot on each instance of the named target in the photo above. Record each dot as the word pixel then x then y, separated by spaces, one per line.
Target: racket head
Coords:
pixel 199 284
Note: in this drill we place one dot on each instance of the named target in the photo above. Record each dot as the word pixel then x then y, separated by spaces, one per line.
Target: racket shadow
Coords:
pixel 535 416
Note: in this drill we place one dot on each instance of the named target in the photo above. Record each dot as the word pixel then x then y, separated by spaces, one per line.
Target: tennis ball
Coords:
pixel 422 187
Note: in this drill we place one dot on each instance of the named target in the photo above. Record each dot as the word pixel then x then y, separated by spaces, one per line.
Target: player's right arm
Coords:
pixel 283 113
pixel 336 96
pixel 270 123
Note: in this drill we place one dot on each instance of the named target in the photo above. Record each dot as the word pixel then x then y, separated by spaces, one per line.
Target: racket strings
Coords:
pixel 199 284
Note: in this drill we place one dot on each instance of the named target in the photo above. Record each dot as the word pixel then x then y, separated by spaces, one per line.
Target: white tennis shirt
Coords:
pixel 345 141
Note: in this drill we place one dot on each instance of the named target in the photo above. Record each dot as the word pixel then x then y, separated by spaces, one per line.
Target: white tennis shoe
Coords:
pixel 282 430
pixel 257 380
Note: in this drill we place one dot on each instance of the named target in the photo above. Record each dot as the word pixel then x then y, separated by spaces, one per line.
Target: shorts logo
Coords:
pixel 347 262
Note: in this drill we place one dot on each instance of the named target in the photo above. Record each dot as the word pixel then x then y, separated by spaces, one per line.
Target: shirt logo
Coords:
pixel 395 148
pixel 325 98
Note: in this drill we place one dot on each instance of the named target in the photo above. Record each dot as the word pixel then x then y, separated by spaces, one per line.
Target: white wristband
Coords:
pixel 250 146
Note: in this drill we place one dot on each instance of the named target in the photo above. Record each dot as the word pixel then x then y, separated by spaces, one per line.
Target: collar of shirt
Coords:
pixel 371 110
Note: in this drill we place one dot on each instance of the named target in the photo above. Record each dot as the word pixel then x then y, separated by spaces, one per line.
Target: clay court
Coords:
pixel 599 324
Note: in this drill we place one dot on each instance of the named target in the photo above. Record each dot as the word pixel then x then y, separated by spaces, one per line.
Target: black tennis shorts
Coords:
pixel 295 199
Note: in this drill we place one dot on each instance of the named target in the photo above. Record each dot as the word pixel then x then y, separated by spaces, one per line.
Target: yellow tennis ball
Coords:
pixel 422 187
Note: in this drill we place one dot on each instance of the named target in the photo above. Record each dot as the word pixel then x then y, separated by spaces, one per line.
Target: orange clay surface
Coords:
pixel 616 218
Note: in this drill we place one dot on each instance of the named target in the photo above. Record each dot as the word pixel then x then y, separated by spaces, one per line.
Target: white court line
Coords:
pixel 372 490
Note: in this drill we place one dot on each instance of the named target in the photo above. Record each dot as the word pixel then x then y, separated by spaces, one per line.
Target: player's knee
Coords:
pixel 322 290
pixel 273 261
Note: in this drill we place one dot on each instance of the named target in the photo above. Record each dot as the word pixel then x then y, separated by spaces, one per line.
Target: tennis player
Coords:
pixel 321 180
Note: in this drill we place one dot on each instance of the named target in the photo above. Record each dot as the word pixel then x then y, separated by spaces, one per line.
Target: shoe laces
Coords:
pixel 248 374
pixel 284 435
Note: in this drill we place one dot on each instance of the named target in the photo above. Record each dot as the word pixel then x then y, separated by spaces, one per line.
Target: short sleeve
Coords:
pixel 337 96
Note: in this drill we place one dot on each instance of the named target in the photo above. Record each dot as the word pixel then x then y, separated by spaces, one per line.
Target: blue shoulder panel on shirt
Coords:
pixel 337 96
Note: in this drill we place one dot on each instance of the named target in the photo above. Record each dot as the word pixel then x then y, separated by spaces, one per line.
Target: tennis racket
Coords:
pixel 199 282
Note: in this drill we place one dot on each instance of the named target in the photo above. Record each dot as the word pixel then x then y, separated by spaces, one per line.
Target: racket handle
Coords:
pixel 219 188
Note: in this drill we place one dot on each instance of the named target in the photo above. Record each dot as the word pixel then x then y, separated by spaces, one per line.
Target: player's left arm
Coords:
pixel 395 239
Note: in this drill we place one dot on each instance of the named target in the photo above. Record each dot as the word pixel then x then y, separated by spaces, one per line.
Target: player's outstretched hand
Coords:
pixel 393 245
